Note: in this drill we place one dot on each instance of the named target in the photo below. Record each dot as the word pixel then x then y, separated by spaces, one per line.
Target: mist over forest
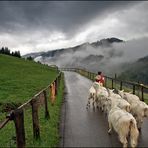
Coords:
pixel 102 55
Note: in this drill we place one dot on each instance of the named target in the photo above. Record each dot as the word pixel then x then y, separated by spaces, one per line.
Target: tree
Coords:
pixel 30 58
pixel 6 50
pixel 2 50
pixel 16 54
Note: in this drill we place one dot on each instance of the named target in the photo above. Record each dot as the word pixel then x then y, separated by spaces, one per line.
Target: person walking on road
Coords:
pixel 100 78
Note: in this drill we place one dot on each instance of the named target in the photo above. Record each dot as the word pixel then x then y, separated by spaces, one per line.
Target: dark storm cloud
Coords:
pixel 47 25
pixel 52 15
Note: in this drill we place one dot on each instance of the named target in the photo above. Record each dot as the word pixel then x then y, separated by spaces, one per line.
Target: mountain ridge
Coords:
pixel 51 53
pixel 107 55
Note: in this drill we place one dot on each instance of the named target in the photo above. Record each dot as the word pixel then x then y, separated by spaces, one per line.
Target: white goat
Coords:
pixel 111 93
pixel 117 100
pixel 101 97
pixel 121 103
pixel 107 105
pixel 145 108
pixel 124 124
pixel 128 96
pixel 91 95
pixel 139 109
pixel 96 92
pixel 96 85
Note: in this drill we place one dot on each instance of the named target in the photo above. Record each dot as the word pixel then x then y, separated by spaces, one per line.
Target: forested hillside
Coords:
pixel 137 71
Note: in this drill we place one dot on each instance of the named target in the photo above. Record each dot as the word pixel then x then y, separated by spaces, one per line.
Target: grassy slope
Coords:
pixel 49 129
pixel 19 81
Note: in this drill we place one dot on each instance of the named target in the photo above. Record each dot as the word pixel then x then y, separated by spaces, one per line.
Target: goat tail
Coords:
pixel 134 133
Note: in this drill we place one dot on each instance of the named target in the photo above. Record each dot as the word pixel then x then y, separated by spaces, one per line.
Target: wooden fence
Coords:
pixel 114 83
pixel 17 115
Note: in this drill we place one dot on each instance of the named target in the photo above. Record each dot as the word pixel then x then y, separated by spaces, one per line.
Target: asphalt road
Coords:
pixel 87 128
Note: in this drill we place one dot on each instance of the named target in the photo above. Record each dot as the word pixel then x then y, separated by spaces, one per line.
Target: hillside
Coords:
pixel 137 71
pixel 92 56
pixel 110 55
pixel 20 79
pixel 104 42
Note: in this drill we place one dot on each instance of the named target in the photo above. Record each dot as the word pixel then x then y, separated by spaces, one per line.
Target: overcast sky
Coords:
pixel 41 26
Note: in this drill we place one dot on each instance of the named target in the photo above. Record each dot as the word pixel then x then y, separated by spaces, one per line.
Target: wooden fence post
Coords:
pixel 56 87
pixel 18 117
pixel 115 80
pixel 133 89
pixel 142 95
pixel 138 89
pixel 35 119
pixel 112 84
pixel 47 116
pixel 105 82
pixel 121 85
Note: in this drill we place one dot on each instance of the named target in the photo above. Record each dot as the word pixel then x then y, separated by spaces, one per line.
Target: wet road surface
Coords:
pixel 87 128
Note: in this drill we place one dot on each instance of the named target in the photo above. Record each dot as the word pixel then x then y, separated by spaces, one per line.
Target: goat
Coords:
pixel 124 124
pixel 139 109
pixel 92 94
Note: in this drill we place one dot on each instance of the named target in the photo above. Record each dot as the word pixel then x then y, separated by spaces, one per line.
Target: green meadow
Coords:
pixel 20 80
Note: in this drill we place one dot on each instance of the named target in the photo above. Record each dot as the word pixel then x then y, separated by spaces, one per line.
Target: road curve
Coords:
pixel 87 128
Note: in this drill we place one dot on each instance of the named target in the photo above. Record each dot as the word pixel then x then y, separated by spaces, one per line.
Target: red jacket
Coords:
pixel 101 79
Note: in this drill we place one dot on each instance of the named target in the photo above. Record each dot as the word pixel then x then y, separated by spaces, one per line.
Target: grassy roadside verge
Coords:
pixel 49 129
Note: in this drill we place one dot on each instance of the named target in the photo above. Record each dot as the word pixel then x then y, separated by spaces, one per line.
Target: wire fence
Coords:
pixel 114 83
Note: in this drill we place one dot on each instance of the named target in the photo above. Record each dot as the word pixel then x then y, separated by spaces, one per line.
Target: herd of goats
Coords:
pixel 124 110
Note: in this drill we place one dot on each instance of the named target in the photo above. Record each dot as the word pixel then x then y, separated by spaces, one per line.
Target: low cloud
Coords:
pixel 109 59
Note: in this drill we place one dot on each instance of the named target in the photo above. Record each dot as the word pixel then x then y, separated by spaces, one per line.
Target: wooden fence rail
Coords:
pixel 114 81
pixel 17 115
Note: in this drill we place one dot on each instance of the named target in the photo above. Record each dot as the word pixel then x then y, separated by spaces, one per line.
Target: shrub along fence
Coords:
pixel 40 99
pixel 114 83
